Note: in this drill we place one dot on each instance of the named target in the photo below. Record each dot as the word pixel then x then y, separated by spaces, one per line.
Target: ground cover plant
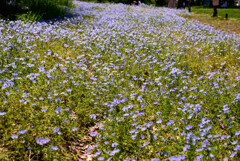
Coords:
pixel 143 82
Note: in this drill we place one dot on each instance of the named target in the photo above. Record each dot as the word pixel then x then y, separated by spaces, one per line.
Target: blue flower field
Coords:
pixel 119 82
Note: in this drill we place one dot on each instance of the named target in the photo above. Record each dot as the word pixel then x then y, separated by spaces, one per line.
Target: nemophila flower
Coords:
pixel 225 159
pixel 53 148
pixel 233 154
pixel 57 99
pixel 74 129
pixel 170 122
pixel 154 159
pixel 149 124
pixel 43 110
pixel 56 130
pixel 2 113
pixel 188 127
pixel 198 158
pixel 177 158
pixel 146 143
pixel 109 158
pixel 97 153
pixel 101 158
pixel 7 84
pixel 237 148
pixel 5 101
pixel 42 141
pixel 69 89
pixel 73 117
pixel 114 144
pixel 93 134
pixel 66 109
pixel 175 128
pixel 41 69
pixel 14 136
pixel 111 153
pixel 93 116
pixel 186 147
pixel 22 131
pixel 237 133
pixel 134 137
pixel 58 110
pixel 134 124
pixel 234 142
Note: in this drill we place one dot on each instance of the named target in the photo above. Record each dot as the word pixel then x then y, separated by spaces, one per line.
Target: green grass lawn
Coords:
pixel 232 12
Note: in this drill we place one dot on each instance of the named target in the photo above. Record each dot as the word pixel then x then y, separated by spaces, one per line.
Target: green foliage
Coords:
pixel 30 16
pixel 48 9
pixel 34 10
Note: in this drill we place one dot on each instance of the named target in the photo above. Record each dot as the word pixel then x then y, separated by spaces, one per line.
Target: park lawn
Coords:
pixel 232 12
pixel 204 15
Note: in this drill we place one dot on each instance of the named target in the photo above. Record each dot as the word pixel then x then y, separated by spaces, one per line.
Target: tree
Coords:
pixel 230 3
pixel 9 8
pixel 45 9
pixel 161 2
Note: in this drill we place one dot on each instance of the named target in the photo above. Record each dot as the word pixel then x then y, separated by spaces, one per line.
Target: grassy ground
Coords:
pixel 204 16
pixel 232 12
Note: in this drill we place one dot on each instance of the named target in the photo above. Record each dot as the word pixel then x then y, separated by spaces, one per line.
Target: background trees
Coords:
pixel 45 9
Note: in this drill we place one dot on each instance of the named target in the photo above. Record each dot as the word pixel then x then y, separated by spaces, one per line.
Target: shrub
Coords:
pixel 38 8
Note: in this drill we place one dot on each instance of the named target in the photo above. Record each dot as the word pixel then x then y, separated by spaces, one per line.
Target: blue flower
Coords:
pixel 154 159
pixel 58 110
pixel 14 136
pixel 74 128
pixel 97 153
pixel 56 130
pixel 170 122
pixel 234 142
pixel 186 147
pixel 69 89
pixel 22 131
pixel 237 133
pixel 54 148
pixel 225 159
pixel 41 69
pixel 101 158
pixel 2 113
pixel 42 141
pixel 43 110
pixel 93 116
pixel 114 144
